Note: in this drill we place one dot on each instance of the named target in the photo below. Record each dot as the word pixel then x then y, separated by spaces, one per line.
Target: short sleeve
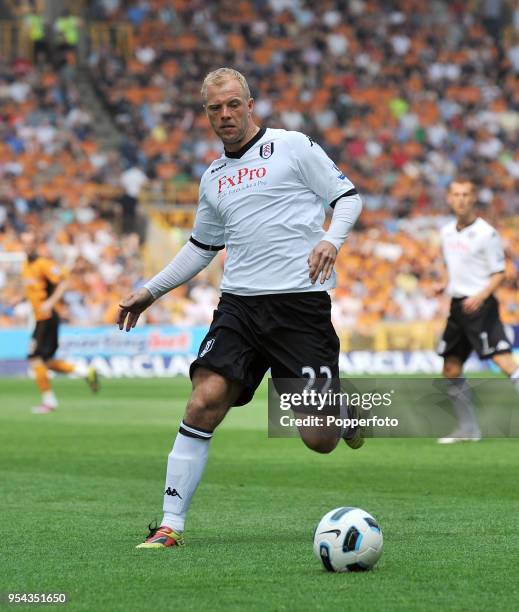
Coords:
pixel 495 253
pixel 318 172
pixel 208 230
pixel 52 271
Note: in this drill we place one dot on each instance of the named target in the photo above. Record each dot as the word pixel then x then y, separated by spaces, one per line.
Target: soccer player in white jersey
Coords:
pixel 475 261
pixel 264 201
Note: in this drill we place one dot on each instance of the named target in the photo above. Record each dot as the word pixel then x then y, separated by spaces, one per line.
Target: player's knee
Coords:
pixel 452 369
pixel 505 362
pixel 203 408
pixel 207 405
pixel 211 398
pixel 320 444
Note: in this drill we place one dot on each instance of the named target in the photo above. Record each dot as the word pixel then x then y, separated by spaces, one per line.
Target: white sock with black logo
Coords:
pixel 186 464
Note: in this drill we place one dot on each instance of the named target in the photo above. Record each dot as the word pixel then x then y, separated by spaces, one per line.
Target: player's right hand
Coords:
pixel 131 307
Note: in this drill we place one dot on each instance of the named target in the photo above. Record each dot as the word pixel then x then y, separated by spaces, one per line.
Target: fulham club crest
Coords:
pixel 266 150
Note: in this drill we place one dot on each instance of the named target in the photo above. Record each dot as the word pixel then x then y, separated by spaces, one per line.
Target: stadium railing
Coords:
pixel 116 37
pixel 14 41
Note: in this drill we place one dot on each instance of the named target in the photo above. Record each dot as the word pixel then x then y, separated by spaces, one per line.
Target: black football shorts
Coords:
pixel 44 342
pixel 481 331
pixel 291 333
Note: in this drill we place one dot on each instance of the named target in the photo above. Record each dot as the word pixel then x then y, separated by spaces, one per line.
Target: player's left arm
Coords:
pixel 324 178
pixel 496 262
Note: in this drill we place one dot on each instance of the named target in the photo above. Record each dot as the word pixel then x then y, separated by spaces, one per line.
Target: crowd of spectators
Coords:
pixel 49 158
pixel 403 95
pixel 55 179
pixel 102 266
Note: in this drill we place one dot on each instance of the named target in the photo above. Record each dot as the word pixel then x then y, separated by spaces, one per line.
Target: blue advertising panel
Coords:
pixel 108 341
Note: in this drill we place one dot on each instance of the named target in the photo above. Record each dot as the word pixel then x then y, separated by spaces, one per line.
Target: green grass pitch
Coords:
pixel 78 488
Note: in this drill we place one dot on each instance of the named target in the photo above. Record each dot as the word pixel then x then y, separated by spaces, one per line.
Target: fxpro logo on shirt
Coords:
pixel 244 178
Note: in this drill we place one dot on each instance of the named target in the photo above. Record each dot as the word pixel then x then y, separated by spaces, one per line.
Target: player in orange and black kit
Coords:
pixel 45 283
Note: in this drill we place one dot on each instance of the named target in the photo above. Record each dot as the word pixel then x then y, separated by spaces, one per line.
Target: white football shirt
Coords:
pixel 266 205
pixel 472 255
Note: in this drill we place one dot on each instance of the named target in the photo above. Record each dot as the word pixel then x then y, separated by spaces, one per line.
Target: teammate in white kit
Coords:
pixel 264 201
pixel 475 261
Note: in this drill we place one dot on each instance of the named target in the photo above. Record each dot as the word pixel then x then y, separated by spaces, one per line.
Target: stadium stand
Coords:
pixel 403 95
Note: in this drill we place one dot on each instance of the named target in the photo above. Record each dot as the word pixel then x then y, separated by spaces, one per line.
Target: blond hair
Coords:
pixel 219 76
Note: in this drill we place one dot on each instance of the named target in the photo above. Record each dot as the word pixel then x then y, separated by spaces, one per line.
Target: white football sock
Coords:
pixel 81 369
pixel 186 464
pixel 460 394
pixel 49 399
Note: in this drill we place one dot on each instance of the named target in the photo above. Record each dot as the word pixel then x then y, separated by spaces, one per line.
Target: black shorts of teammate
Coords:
pixel 481 331
pixel 291 333
pixel 44 342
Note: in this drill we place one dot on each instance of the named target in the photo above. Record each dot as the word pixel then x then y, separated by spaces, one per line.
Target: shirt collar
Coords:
pixel 241 152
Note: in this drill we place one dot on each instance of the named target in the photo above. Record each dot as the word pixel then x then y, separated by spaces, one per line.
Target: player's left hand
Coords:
pixel 472 304
pixel 321 261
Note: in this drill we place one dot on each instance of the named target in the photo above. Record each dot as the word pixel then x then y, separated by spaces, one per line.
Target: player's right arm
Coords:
pixel 440 286
pixel 207 238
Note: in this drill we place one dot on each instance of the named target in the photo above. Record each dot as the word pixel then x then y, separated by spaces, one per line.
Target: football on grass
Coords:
pixel 348 540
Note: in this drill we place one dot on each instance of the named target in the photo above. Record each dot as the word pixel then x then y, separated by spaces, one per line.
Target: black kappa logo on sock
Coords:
pixel 172 492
